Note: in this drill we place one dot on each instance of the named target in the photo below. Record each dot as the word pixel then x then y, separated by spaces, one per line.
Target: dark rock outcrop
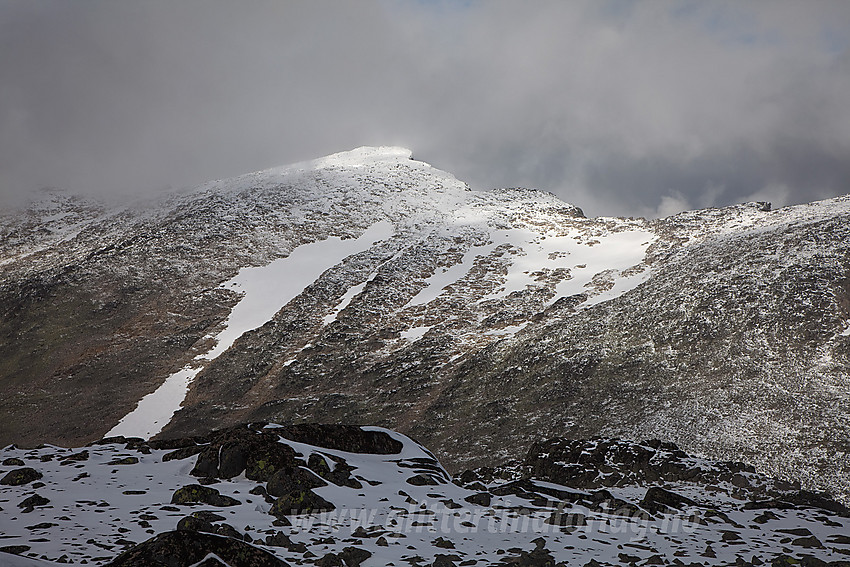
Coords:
pixel 258 451
pixel 31 502
pixel 350 438
pixel 184 548
pixel 599 463
pixel 245 448
pixel 289 480
pixel 659 500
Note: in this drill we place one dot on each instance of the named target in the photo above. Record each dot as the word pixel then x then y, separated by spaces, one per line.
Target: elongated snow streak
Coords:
pixel 436 284
pixel 354 292
pixel 266 290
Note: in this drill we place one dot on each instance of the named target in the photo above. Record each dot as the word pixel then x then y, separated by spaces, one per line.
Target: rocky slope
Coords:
pixel 370 288
pixel 269 495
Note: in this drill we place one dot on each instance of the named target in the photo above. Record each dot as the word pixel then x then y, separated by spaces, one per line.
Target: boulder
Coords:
pixel 197 494
pixel 423 480
pixel 480 499
pixel 329 560
pixel 21 476
pixel 300 502
pixel 32 501
pixel 354 556
pixel 559 518
pixel 249 448
pixel 193 524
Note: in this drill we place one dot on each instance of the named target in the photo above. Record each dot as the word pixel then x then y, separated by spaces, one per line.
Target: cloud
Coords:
pixel 672 204
pixel 614 105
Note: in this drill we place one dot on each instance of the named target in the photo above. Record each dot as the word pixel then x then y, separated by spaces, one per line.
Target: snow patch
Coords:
pixel 415 333
pixel 362 156
pixel 509 330
pixel 154 411
pixel 582 256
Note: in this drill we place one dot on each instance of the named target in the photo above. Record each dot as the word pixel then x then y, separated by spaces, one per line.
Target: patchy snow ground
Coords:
pixel 104 498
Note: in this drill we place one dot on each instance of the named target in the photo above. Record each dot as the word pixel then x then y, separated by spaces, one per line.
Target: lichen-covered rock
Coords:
pixel 249 448
pixel 259 453
pixel 354 556
pixel 329 560
pixel 423 480
pixel 233 458
pixel 197 494
pixel 444 560
pixel 479 499
pixel 20 476
pixel 538 557
pixel 208 516
pixel 784 560
pixel 130 460
pixel 300 502
pixel 340 474
pixel 577 462
pixel 559 518
pixel 194 524
pixel 15 549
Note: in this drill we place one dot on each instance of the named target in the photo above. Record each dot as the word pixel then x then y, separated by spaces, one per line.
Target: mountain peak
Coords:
pixel 365 155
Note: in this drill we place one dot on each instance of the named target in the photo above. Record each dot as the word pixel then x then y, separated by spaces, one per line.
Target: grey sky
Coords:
pixel 632 108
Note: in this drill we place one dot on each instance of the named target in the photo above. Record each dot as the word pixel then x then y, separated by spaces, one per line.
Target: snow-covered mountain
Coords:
pixel 370 288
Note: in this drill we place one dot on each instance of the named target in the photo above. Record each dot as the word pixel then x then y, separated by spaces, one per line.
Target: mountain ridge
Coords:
pixel 484 320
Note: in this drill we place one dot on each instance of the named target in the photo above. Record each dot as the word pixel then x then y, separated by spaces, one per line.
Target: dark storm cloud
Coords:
pixel 621 107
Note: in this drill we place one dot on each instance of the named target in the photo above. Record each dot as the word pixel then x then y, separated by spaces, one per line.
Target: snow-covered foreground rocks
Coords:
pixel 333 495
